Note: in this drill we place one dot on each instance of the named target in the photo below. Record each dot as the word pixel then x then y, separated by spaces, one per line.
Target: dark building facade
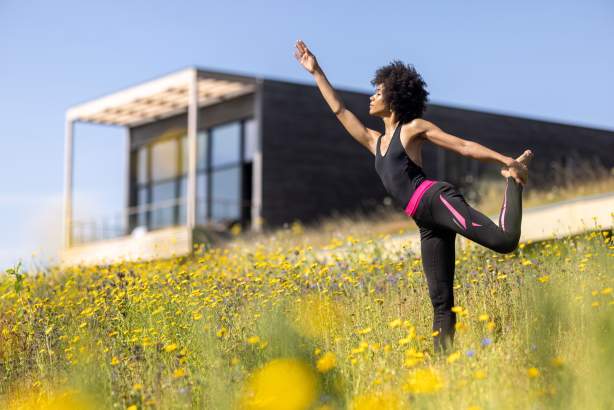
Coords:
pixel 211 149
pixel 311 166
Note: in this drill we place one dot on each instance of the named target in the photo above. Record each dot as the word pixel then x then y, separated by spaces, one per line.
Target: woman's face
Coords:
pixel 378 107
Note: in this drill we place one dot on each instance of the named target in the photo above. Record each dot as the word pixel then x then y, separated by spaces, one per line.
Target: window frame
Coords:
pixel 207 170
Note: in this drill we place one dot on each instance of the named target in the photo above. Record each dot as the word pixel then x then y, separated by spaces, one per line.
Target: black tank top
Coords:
pixel 399 174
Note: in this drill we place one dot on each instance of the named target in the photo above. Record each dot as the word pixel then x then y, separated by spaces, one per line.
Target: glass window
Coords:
pixel 201 150
pixel 183 195
pixel 142 165
pixel 163 205
pixel 201 198
pixel 251 139
pixel 225 144
pixel 141 219
pixel 226 193
pixel 184 154
pixel 164 159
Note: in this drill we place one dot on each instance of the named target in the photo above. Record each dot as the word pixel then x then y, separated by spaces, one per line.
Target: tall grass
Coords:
pixel 273 327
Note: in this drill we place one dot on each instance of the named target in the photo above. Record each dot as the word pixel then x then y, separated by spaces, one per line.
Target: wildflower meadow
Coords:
pixel 273 326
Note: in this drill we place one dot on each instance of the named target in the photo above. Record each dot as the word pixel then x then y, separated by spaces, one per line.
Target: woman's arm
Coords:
pixel 463 147
pixel 352 124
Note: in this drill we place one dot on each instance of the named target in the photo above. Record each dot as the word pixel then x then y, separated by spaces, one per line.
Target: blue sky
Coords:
pixel 549 60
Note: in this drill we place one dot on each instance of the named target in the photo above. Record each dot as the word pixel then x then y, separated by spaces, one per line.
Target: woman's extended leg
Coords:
pixel 437 247
pixel 450 210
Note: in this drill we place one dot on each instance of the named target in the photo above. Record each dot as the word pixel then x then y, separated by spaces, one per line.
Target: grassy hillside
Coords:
pixel 271 327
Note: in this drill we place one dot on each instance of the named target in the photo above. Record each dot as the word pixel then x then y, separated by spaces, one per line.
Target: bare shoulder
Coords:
pixel 416 127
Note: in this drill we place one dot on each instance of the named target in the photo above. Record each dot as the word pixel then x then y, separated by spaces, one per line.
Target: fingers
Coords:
pixel 303 46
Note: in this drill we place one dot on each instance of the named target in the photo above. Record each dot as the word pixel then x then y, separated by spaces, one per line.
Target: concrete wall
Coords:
pixel 159 244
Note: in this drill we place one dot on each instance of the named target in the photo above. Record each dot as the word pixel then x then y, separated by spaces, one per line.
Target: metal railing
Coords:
pixel 147 217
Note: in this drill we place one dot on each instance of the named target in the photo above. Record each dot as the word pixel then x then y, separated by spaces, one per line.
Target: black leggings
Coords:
pixel 442 213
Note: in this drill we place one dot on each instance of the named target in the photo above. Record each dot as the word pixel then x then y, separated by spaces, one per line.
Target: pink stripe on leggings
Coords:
pixel 412 205
pixel 454 211
pixel 507 180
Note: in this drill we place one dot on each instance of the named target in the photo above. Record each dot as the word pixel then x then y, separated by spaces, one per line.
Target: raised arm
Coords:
pixel 466 148
pixel 366 136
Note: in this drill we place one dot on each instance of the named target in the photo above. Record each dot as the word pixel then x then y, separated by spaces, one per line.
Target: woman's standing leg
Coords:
pixel 438 258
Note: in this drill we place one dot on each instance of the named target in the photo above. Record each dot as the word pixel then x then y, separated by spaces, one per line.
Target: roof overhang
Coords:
pixel 161 98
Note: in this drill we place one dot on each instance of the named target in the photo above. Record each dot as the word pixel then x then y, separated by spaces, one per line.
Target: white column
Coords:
pixel 128 181
pixel 192 130
pixel 257 163
pixel 68 182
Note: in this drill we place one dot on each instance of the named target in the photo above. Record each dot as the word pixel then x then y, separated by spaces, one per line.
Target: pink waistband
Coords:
pixel 412 205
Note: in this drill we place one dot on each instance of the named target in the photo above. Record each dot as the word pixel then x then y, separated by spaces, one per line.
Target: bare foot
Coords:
pixel 524 159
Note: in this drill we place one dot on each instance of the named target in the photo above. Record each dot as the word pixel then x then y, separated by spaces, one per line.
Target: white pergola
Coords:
pixel 173 94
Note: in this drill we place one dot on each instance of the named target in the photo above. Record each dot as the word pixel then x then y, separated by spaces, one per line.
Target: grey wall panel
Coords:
pixel 551 142
pixel 311 165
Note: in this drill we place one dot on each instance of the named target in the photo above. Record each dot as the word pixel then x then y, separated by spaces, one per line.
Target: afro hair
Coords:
pixel 404 90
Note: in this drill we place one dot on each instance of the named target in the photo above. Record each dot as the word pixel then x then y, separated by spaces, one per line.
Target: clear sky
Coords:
pixel 548 59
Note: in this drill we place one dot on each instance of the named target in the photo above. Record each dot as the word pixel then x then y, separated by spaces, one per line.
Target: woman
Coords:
pixel 438 209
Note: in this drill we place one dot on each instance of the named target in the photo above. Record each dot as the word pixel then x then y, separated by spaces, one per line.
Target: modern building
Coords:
pixel 210 149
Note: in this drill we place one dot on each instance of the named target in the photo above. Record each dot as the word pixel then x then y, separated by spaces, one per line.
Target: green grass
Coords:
pixel 181 333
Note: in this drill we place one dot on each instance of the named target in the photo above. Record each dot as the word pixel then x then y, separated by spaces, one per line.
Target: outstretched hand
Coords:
pixel 305 57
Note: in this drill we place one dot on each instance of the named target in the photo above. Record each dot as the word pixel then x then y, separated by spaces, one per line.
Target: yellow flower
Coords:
pixel 460 326
pixel 196 316
pixel 453 357
pixel 171 347
pixel 133 407
pixel 377 401
pixel 483 317
pixel 253 340
pixel 281 384
pixel 479 374
pixel 412 357
pixel 114 361
pixel 364 331
pixel 404 341
pixel 533 372
pixel 544 279
pixel 395 323
pixel 326 362
pixel 179 373
pixel 424 381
